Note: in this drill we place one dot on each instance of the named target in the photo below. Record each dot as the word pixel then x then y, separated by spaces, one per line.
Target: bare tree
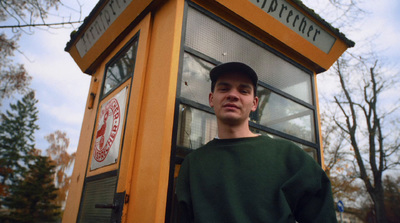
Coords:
pixel 25 15
pixel 337 167
pixel 18 18
pixel 365 116
pixel 369 123
pixel 342 14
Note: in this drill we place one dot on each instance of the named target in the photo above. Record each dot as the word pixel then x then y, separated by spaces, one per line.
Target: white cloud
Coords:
pixel 383 21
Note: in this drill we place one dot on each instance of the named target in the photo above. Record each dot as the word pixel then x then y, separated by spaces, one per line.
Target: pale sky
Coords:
pixel 62 88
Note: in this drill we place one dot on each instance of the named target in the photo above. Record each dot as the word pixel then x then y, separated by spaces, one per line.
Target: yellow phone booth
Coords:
pixel 147 106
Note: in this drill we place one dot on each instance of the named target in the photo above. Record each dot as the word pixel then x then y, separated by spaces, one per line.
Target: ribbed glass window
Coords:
pixel 221 43
pixel 97 192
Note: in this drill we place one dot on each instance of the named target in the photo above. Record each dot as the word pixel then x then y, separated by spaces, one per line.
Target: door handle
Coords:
pixel 106 206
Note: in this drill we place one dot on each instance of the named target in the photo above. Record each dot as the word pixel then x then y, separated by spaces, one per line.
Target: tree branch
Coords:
pixel 352 127
pixel 41 24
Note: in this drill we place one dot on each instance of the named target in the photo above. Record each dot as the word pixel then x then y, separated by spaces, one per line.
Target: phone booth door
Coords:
pixel 101 201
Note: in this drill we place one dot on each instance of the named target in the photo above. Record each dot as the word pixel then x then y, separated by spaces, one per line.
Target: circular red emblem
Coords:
pixel 107 129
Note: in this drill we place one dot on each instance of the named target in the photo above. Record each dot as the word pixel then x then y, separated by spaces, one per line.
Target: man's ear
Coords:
pixel 255 103
pixel 210 98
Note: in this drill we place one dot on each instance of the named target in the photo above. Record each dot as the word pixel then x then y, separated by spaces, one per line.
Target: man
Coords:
pixel 244 177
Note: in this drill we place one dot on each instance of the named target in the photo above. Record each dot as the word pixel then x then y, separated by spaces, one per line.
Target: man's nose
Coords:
pixel 233 95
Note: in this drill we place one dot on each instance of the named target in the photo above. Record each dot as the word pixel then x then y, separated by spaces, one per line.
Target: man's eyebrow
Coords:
pixel 226 84
pixel 246 86
pixel 223 84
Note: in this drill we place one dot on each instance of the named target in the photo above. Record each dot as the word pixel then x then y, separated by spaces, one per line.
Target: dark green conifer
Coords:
pixel 17 128
pixel 33 198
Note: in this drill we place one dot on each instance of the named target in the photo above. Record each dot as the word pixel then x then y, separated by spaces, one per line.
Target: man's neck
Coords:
pixel 232 132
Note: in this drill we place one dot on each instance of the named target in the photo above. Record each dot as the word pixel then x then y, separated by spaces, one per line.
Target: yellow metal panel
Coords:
pixel 151 169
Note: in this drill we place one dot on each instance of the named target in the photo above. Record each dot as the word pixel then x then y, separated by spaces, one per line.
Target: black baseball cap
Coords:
pixel 231 67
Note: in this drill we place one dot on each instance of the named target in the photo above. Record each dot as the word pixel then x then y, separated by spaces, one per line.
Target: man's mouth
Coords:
pixel 229 105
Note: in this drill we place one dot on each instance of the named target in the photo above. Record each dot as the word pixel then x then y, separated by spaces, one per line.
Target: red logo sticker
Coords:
pixel 107 130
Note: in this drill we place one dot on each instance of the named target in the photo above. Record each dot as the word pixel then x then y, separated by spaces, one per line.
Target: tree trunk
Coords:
pixel 379 204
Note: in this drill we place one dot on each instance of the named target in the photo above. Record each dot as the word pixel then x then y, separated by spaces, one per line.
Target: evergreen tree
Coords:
pixel 33 198
pixel 17 128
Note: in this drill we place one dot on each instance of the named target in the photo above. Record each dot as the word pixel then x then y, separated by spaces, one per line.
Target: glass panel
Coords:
pixel 121 69
pixel 196 83
pixel 223 44
pixel 279 113
pixel 195 128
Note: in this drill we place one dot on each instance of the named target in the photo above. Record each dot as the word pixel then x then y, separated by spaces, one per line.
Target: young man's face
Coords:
pixel 233 98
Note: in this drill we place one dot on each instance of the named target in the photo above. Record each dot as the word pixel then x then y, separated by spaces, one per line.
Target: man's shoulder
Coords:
pixel 278 142
pixel 286 148
pixel 212 143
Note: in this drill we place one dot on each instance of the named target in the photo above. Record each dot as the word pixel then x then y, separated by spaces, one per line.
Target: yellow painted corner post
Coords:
pixel 321 146
pixel 152 160
pixel 132 126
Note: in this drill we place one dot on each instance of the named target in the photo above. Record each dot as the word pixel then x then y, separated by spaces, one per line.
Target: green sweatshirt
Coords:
pixel 257 179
